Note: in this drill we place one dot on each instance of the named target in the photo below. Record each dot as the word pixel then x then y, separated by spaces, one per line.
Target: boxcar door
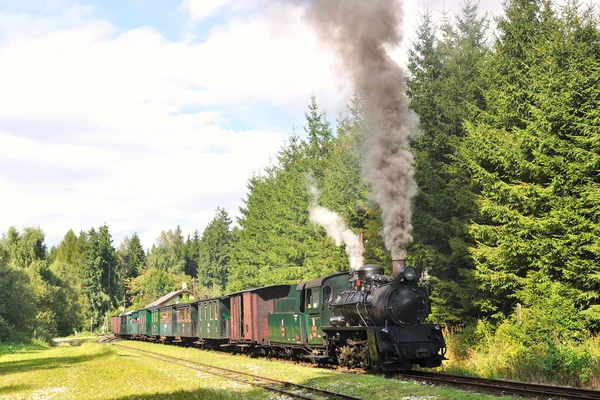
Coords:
pixel 247 316
pixel 236 315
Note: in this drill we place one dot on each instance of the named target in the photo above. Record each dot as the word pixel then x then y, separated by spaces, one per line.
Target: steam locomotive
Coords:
pixel 362 319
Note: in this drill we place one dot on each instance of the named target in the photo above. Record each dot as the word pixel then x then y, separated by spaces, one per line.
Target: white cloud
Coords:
pixel 202 9
pixel 95 127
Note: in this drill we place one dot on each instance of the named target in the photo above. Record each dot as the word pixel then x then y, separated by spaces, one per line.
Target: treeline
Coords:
pixel 508 161
pixel 75 286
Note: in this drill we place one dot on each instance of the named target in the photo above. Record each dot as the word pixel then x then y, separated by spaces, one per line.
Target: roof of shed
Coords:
pixel 168 297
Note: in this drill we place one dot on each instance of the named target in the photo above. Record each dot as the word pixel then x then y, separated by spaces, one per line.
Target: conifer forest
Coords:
pixel 505 222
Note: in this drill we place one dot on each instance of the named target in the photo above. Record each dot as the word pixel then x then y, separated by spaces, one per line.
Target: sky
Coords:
pixel 148 114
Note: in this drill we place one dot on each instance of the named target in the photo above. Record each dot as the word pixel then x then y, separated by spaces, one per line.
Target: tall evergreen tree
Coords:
pixel 318 131
pixel 215 251
pixel 131 262
pixel 131 256
pixel 192 254
pixel 70 250
pixel 100 273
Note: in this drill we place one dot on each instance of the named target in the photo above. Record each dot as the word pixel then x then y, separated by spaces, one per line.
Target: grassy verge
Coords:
pixel 99 371
pixel 507 355
pixel 10 348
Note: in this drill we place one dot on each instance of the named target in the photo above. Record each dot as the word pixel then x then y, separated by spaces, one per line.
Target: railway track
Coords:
pixel 294 390
pixel 504 387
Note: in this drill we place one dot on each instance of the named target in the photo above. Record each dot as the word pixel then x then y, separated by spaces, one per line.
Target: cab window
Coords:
pixel 327 294
pixel 315 298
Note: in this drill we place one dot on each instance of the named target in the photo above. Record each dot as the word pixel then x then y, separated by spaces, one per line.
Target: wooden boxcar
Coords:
pixel 250 311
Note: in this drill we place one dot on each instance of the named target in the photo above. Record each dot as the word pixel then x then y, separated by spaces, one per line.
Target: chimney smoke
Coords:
pixel 360 32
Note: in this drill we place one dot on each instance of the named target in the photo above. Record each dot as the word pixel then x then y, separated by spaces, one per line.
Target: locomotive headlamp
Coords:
pixel 409 273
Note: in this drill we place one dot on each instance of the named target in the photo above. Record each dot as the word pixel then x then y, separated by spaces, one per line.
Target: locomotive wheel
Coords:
pixel 354 354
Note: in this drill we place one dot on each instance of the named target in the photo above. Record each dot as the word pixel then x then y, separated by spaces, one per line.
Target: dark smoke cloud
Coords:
pixel 359 32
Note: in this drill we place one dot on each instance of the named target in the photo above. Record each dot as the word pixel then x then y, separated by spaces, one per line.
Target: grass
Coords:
pixel 555 362
pixel 92 370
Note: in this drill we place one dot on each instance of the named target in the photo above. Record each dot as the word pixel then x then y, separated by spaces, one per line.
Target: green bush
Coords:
pixel 547 343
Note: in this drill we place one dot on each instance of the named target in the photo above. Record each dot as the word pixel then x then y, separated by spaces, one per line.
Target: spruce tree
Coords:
pixel 132 257
pixel 100 273
pixel 215 251
pixel 192 253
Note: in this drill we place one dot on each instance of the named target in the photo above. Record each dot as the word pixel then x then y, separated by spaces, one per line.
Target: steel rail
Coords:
pixel 505 386
pixel 251 379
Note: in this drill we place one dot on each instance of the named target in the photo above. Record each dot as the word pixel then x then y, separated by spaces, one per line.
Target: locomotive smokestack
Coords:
pixel 397 267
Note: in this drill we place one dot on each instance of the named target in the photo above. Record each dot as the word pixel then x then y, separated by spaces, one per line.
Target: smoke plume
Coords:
pixel 359 31
pixel 336 229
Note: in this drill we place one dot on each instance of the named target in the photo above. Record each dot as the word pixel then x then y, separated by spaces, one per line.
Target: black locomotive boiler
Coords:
pixel 390 312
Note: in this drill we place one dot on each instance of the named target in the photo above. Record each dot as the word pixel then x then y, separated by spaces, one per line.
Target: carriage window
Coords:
pixel 327 294
pixel 309 298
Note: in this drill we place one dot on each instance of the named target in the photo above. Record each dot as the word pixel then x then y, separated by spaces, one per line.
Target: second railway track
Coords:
pixel 505 387
pixel 286 388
